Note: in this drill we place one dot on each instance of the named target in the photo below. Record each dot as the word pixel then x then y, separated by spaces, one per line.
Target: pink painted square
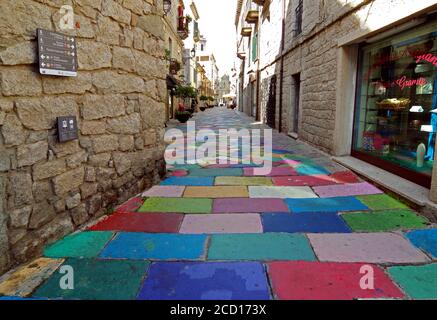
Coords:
pixel 222 223
pixel 302 181
pixel 344 190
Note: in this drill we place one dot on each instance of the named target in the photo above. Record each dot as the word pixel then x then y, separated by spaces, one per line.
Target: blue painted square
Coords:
pixel 336 204
pixel 143 246
pixel 205 281
pixel 317 222
pixel 425 240
pixel 188 181
pixel 216 172
pixel 306 170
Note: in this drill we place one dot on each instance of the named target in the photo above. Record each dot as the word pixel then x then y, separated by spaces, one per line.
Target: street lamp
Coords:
pixel 166 6
pixel 193 52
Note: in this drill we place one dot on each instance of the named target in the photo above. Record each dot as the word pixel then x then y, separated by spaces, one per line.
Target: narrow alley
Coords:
pixel 305 231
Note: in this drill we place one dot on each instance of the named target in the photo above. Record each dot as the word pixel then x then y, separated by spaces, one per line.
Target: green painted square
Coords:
pixel 419 282
pixel 97 280
pixel 381 202
pixel 79 245
pixel 264 246
pixel 385 220
pixel 177 205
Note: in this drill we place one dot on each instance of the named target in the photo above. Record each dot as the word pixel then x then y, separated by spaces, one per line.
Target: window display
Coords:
pixel 396 108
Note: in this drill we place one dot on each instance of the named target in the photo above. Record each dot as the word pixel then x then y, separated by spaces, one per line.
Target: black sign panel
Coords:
pixel 67 128
pixel 57 54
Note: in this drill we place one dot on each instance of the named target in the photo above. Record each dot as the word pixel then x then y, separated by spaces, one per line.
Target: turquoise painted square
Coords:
pixel 97 280
pixel 419 282
pixel 143 246
pixel 267 246
pixel 83 244
pixel 311 170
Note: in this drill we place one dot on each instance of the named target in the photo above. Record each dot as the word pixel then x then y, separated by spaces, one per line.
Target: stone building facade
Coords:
pixel 297 62
pixel 47 188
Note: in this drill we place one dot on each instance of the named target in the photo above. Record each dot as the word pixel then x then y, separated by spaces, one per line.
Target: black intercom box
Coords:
pixel 67 128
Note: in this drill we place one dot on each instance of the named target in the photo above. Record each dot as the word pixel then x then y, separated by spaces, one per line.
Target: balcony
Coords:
pixel 252 16
pixel 183 30
pixel 241 55
pixel 259 2
pixel 246 31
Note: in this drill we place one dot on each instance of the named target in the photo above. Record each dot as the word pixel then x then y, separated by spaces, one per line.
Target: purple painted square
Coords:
pixel 344 190
pixel 241 205
pixel 205 281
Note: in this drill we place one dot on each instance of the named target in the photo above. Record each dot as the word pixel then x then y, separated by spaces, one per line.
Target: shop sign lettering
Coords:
pixel 405 83
pixel 427 57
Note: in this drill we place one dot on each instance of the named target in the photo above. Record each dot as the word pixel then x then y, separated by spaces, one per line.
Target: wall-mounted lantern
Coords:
pixel 193 52
pixel 166 6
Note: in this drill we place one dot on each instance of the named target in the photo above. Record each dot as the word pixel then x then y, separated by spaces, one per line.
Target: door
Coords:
pixel 271 103
pixel 295 104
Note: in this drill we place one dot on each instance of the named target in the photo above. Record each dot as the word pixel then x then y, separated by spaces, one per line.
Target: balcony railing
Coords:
pixel 183 27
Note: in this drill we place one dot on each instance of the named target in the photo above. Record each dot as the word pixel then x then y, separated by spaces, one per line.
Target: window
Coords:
pixel 396 103
pixel 299 13
pixel 254 47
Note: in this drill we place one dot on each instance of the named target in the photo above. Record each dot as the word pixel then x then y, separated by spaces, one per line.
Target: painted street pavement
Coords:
pixel 306 230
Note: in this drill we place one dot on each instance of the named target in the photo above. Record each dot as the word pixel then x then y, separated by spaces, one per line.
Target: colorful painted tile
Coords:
pixel 98 280
pixel 325 222
pixel 164 192
pixel 242 205
pixel 381 202
pixel 243 181
pixel 418 282
pixel 310 181
pixel 365 247
pixel 263 246
pixel 79 245
pixel 325 204
pixel 287 162
pixel 141 222
pixel 344 190
pixel 384 220
pixel 425 240
pixel 216 192
pixel 155 246
pixel 177 205
pixel 302 280
pixel 281 192
pixel 276 171
pixel 345 177
pixel 188 181
pixel 23 281
pixel 311 170
pixel 205 281
pixel 131 205
pixel 222 223
pixel 217 172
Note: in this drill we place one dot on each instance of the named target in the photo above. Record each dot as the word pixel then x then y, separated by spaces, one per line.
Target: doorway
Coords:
pixel 295 104
pixel 271 103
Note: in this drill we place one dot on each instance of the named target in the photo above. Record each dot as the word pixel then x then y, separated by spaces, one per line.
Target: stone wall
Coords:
pixel 47 188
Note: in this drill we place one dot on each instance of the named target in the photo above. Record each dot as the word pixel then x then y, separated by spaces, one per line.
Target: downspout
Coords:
pixel 281 76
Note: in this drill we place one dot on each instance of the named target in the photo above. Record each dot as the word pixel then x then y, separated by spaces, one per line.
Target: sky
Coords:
pixel 216 23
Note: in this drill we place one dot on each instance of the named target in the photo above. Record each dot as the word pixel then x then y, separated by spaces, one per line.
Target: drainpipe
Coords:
pixel 281 76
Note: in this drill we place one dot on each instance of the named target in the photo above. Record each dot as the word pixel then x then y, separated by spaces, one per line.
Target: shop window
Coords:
pixel 396 104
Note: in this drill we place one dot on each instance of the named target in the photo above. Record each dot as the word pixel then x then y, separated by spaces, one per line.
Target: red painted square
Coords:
pixel 131 205
pixel 303 280
pixel 311 181
pixel 141 222
pixel 276 171
pixel 345 177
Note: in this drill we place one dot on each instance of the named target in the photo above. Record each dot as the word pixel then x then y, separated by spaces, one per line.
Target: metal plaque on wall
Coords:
pixel 57 54
pixel 67 128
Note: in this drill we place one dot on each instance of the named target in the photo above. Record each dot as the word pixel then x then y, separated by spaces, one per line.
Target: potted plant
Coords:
pixel 182 115
pixel 204 99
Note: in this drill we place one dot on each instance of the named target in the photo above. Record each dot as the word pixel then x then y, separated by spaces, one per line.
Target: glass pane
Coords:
pixel 396 117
